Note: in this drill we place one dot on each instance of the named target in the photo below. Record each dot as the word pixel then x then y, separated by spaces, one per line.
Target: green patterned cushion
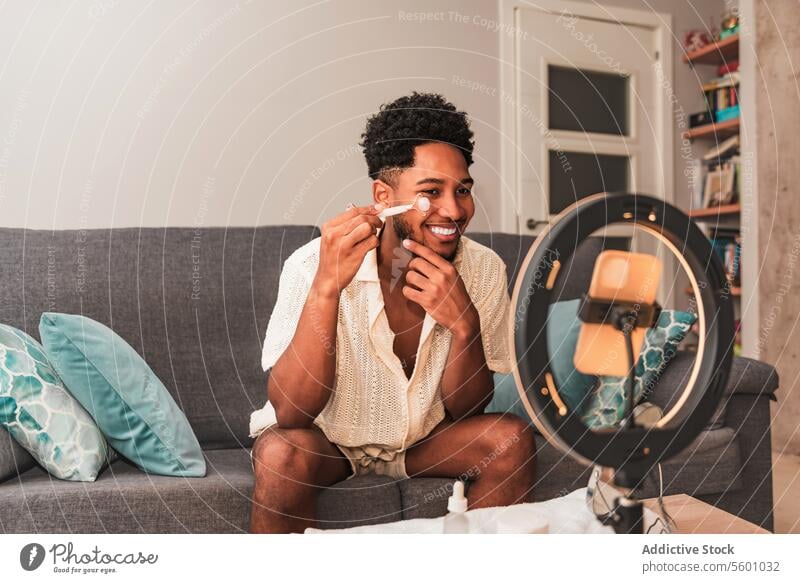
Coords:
pixel 606 406
pixel 42 416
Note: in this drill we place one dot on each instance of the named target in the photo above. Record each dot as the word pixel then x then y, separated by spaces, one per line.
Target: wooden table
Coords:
pixel 694 516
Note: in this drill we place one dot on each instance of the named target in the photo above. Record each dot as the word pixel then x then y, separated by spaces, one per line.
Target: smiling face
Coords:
pixel 440 174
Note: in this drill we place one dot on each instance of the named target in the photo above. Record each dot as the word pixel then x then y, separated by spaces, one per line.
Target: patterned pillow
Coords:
pixel 42 416
pixel 606 406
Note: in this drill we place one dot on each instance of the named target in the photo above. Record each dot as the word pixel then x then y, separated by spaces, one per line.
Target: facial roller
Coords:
pixel 420 202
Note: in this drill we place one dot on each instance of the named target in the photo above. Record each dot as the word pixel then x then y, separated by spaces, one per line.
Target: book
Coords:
pixel 723 149
pixel 729 250
pixel 728 113
pixel 719 186
pixel 701 118
pixel 696 183
pixel 724 81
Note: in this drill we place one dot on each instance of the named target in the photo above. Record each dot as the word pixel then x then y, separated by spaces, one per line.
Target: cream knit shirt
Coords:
pixel 374 404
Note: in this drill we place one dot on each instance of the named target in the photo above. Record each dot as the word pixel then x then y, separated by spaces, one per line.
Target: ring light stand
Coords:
pixel 631 450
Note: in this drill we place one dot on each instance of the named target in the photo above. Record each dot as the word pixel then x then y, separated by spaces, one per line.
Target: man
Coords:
pixel 383 339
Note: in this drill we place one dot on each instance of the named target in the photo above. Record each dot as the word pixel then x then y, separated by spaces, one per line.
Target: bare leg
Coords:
pixel 291 466
pixel 496 453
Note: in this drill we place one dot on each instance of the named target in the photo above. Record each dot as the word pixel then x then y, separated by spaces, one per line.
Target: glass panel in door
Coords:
pixel 575 175
pixel 581 100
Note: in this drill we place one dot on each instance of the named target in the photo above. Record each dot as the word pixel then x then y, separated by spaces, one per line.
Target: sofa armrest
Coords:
pixel 752 377
pixel 744 408
pixel 749 417
pixel 747 376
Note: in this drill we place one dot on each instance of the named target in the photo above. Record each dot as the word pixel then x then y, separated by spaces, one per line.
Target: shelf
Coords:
pixel 735 291
pixel 715 53
pixel 715 212
pixel 723 129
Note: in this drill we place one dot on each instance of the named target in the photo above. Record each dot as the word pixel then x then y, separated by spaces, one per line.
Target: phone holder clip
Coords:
pixel 618 313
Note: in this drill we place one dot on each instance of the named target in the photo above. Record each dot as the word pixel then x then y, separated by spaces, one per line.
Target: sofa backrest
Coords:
pixel 193 302
pixel 574 276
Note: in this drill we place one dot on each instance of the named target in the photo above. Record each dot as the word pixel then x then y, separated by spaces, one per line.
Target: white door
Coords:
pixel 586 112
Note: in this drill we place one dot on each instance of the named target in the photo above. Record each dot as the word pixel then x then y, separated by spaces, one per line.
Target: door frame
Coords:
pixel 659 22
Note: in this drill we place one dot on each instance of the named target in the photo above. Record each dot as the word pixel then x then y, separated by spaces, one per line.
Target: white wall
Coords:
pixel 235 113
pixel 125 113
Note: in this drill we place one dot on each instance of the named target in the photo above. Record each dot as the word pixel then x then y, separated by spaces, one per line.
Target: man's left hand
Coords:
pixel 436 286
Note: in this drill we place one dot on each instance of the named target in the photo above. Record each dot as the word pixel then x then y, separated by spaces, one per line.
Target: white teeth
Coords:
pixel 443 231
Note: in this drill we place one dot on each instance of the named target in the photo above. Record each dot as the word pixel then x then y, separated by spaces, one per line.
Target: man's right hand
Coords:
pixel 345 240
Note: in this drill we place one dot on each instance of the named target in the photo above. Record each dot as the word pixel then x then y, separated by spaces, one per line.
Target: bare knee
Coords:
pixel 286 455
pixel 509 444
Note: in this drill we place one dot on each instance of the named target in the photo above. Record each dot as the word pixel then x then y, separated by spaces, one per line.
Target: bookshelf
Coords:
pixel 714 131
pixel 715 53
pixel 709 214
pixel 719 152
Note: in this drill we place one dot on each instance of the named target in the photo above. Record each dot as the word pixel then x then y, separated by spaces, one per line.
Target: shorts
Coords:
pixel 369 459
pixel 373 459
pixel 365 459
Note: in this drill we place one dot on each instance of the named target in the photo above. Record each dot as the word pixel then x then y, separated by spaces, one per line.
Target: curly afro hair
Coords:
pixel 420 118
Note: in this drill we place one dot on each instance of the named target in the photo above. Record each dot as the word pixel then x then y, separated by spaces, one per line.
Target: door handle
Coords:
pixel 533 223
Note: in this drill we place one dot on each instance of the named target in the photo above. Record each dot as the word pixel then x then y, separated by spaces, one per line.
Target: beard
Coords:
pixel 403 231
pixel 401 228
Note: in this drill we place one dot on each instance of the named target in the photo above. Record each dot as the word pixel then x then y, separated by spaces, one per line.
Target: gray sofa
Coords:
pixel 195 304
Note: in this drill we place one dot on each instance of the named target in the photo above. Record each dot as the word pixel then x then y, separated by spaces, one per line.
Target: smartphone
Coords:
pixel 617 276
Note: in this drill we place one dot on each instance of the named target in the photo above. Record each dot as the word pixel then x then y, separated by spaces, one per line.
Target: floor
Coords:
pixel 785 491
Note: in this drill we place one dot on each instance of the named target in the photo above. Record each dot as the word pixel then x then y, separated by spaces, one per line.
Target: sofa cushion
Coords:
pixel 193 302
pixel 425 497
pixel 563 330
pixel 563 327
pixel 710 464
pixel 126 500
pixel 134 411
pixel 369 499
pixel 40 414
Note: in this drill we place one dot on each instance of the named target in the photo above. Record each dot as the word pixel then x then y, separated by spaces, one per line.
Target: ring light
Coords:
pixel 631 451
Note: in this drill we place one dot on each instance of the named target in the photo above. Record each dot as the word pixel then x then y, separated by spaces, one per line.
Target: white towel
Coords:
pixel 564 515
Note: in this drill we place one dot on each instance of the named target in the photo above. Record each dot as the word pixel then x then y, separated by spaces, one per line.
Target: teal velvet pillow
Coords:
pixel 606 405
pixel 563 326
pixel 40 414
pixel 133 409
pixel 506 398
